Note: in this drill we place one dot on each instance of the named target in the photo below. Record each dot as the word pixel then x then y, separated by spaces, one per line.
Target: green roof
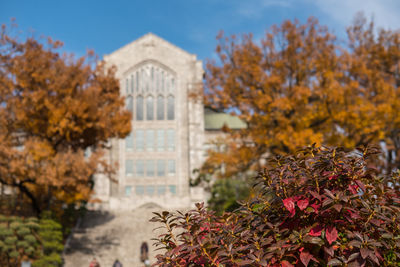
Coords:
pixel 215 121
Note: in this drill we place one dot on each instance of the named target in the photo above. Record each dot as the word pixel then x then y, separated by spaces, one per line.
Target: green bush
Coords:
pixel 23 231
pixel 30 239
pixel 39 240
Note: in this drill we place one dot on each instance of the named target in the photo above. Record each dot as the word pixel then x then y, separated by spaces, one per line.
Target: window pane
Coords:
pixel 150 190
pixel 139 190
pixel 129 167
pixel 150 167
pixel 171 167
pixel 171 139
pixel 172 189
pixel 132 83
pixel 150 108
pixel 160 167
pixel 152 79
pixel 160 140
pixel 128 190
pixel 161 189
pixel 162 81
pixel 160 107
pixel 139 108
pixel 142 80
pixel 127 86
pixel 129 103
pixel 150 140
pixel 129 142
pixel 157 80
pixel 139 140
pixel 137 81
pixel 140 168
pixel 170 108
pixel 172 84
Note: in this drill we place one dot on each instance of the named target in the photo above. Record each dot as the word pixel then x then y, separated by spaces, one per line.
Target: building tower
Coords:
pixel 156 160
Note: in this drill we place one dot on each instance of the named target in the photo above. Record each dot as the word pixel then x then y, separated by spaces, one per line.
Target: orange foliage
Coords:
pixel 53 108
pixel 300 86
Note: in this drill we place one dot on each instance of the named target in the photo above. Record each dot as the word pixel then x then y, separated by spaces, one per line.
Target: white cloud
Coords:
pixel 385 13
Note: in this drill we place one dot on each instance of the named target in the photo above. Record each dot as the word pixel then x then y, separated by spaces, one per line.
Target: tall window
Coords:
pixel 171 167
pixel 170 108
pixel 129 103
pixel 150 140
pixel 139 140
pixel 150 167
pixel 129 142
pixel 150 108
pixel 160 167
pixel 161 189
pixel 160 107
pixel 160 140
pixel 162 81
pixel 139 108
pixel 140 168
pixel 129 167
pixel 128 190
pixel 171 139
pixel 172 189
pixel 139 190
pixel 150 190
pixel 137 81
pixel 151 93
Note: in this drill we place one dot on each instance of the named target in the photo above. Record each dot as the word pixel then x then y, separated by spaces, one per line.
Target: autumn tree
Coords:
pixel 54 109
pixel 299 85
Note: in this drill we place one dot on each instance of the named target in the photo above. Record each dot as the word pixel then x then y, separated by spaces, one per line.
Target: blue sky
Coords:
pixel 190 24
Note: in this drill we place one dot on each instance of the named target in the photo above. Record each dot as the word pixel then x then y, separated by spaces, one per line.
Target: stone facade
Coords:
pixel 168 132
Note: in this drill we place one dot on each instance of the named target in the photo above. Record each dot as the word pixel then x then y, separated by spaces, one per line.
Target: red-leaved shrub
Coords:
pixel 321 207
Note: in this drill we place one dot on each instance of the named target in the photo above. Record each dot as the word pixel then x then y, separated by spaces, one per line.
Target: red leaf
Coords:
pixel 286 264
pixel 361 185
pixel 316 231
pixel 353 188
pixel 316 207
pixel 305 257
pixel 333 177
pixel 303 204
pixel 289 205
pixel 316 195
pixel 331 234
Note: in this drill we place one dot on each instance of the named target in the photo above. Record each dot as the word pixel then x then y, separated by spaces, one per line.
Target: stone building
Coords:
pixel 170 129
pixel 171 133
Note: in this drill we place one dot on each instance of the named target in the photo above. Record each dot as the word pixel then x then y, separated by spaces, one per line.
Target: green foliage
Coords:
pixel 30 239
pixel 52 260
pixel 318 207
pixel 40 241
pixel 50 233
pixel 22 231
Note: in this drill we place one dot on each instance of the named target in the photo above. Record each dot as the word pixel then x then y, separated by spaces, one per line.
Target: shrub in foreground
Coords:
pixel 321 207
